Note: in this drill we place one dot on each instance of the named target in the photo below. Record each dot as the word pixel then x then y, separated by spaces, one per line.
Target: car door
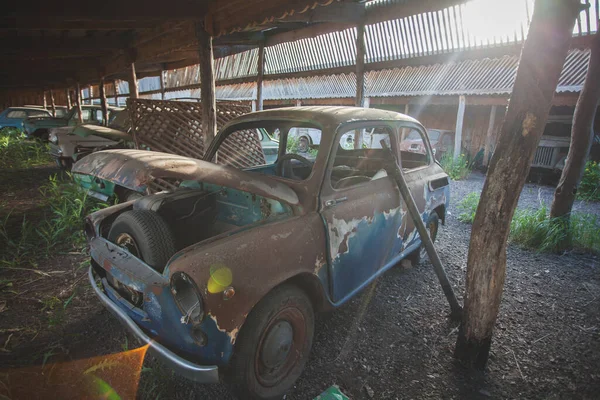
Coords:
pixel 414 166
pixel 361 208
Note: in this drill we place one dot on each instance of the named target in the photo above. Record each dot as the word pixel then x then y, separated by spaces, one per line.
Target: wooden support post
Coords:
pixel 541 62
pixel 253 105
pixel 52 103
pixel 91 92
pixel 207 85
pixel 259 78
pixel 103 103
pixel 116 93
pixel 460 115
pixel 45 101
pixel 367 102
pixel 163 78
pixel 360 77
pixel 79 100
pixel 68 94
pixel 488 138
pixel 394 170
pixel 133 84
pixel 298 103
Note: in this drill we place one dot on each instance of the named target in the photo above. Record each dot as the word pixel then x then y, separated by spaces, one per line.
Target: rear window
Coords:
pixel 16 114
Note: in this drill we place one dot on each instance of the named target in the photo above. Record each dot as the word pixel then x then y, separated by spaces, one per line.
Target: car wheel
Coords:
pixel 432 225
pixel 146 235
pixel 303 144
pixel 273 345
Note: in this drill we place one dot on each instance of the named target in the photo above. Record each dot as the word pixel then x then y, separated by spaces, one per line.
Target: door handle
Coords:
pixel 333 202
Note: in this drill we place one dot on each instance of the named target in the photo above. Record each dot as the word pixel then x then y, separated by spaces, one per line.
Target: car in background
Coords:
pixel 39 127
pixel 269 145
pixel 14 117
pixel 442 142
pixel 71 143
pixel 222 275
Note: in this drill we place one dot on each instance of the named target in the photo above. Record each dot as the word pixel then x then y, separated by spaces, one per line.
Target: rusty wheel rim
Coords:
pixel 280 347
pixel 126 241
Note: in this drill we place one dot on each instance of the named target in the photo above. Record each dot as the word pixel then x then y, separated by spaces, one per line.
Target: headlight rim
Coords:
pixel 181 278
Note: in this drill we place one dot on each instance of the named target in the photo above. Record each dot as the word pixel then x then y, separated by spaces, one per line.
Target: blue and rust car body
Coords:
pixel 329 242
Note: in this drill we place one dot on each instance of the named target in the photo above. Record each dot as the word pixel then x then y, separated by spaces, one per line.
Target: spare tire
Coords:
pixel 146 235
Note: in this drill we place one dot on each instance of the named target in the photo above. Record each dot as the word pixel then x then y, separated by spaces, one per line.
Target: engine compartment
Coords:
pixel 197 211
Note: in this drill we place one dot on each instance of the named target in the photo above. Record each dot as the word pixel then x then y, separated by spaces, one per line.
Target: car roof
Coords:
pixel 27 108
pixel 325 115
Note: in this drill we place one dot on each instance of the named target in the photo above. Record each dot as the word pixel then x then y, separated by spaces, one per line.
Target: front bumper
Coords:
pixel 185 368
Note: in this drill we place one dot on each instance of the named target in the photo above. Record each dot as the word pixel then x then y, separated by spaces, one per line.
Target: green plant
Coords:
pixel 589 187
pixel 467 207
pixel 457 169
pixel 18 152
pixel 59 229
pixel 534 229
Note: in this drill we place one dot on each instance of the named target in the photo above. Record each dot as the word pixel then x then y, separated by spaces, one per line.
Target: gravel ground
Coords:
pixel 395 341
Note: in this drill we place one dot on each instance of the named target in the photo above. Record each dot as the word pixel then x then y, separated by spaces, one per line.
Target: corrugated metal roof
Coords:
pixel 470 77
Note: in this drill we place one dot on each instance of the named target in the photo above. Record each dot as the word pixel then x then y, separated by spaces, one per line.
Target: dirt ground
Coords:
pixel 394 341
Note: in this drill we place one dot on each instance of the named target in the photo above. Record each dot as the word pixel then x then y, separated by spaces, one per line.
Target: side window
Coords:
pixel 270 147
pixel 447 140
pixel 16 114
pixel 413 149
pixel 360 156
pixel 241 149
pixel 303 142
pixel 86 113
pixel 98 116
pixel 38 113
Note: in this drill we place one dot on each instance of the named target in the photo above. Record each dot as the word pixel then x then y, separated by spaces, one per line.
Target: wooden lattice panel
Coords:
pixel 241 149
pixel 176 126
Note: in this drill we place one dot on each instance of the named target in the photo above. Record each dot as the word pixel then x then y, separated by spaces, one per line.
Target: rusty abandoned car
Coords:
pixel 222 276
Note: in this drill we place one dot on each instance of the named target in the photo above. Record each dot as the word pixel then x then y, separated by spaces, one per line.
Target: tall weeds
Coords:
pixel 18 152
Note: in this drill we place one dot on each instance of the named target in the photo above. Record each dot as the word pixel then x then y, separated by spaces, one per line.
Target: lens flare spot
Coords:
pixel 220 278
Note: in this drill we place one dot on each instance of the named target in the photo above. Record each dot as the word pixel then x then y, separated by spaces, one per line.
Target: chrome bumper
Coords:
pixel 185 368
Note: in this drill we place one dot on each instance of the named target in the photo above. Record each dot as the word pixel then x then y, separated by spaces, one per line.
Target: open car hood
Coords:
pixel 134 169
pixel 102 131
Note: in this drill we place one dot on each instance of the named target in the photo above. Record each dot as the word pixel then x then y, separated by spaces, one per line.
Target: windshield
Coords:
pixel 434 135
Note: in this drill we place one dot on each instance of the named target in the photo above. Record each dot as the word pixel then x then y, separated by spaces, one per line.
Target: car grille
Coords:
pixel 543 156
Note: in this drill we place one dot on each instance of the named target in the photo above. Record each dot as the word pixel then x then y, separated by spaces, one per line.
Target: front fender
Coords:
pixel 259 259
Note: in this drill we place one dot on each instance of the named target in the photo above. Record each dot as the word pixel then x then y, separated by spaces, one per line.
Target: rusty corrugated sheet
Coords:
pixel 470 77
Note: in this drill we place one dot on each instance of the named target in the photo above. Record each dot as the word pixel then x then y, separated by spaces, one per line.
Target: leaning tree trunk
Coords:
pixel 582 135
pixel 541 62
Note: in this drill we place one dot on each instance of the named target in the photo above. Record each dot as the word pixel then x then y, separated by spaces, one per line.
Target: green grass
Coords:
pixel 457 169
pixel 17 152
pixel 534 229
pixel 59 228
pixel 589 187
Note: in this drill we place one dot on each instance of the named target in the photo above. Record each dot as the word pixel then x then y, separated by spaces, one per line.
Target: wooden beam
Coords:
pixel 488 137
pixel 39 23
pixel 116 92
pixel 68 96
pixel 259 78
pixel 207 88
pixel 360 65
pixel 78 100
pixel 162 78
pixel 460 115
pixel 103 102
pixel 99 42
pixel 133 84
pixel 52 103
pixel 45 101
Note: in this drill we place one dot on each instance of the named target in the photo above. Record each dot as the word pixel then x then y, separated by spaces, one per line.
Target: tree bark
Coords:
pixel 540 65
pixel 582 135
pixel 207 85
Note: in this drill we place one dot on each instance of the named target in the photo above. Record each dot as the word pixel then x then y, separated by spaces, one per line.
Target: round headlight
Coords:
pixel 187 297
pixel 53 138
